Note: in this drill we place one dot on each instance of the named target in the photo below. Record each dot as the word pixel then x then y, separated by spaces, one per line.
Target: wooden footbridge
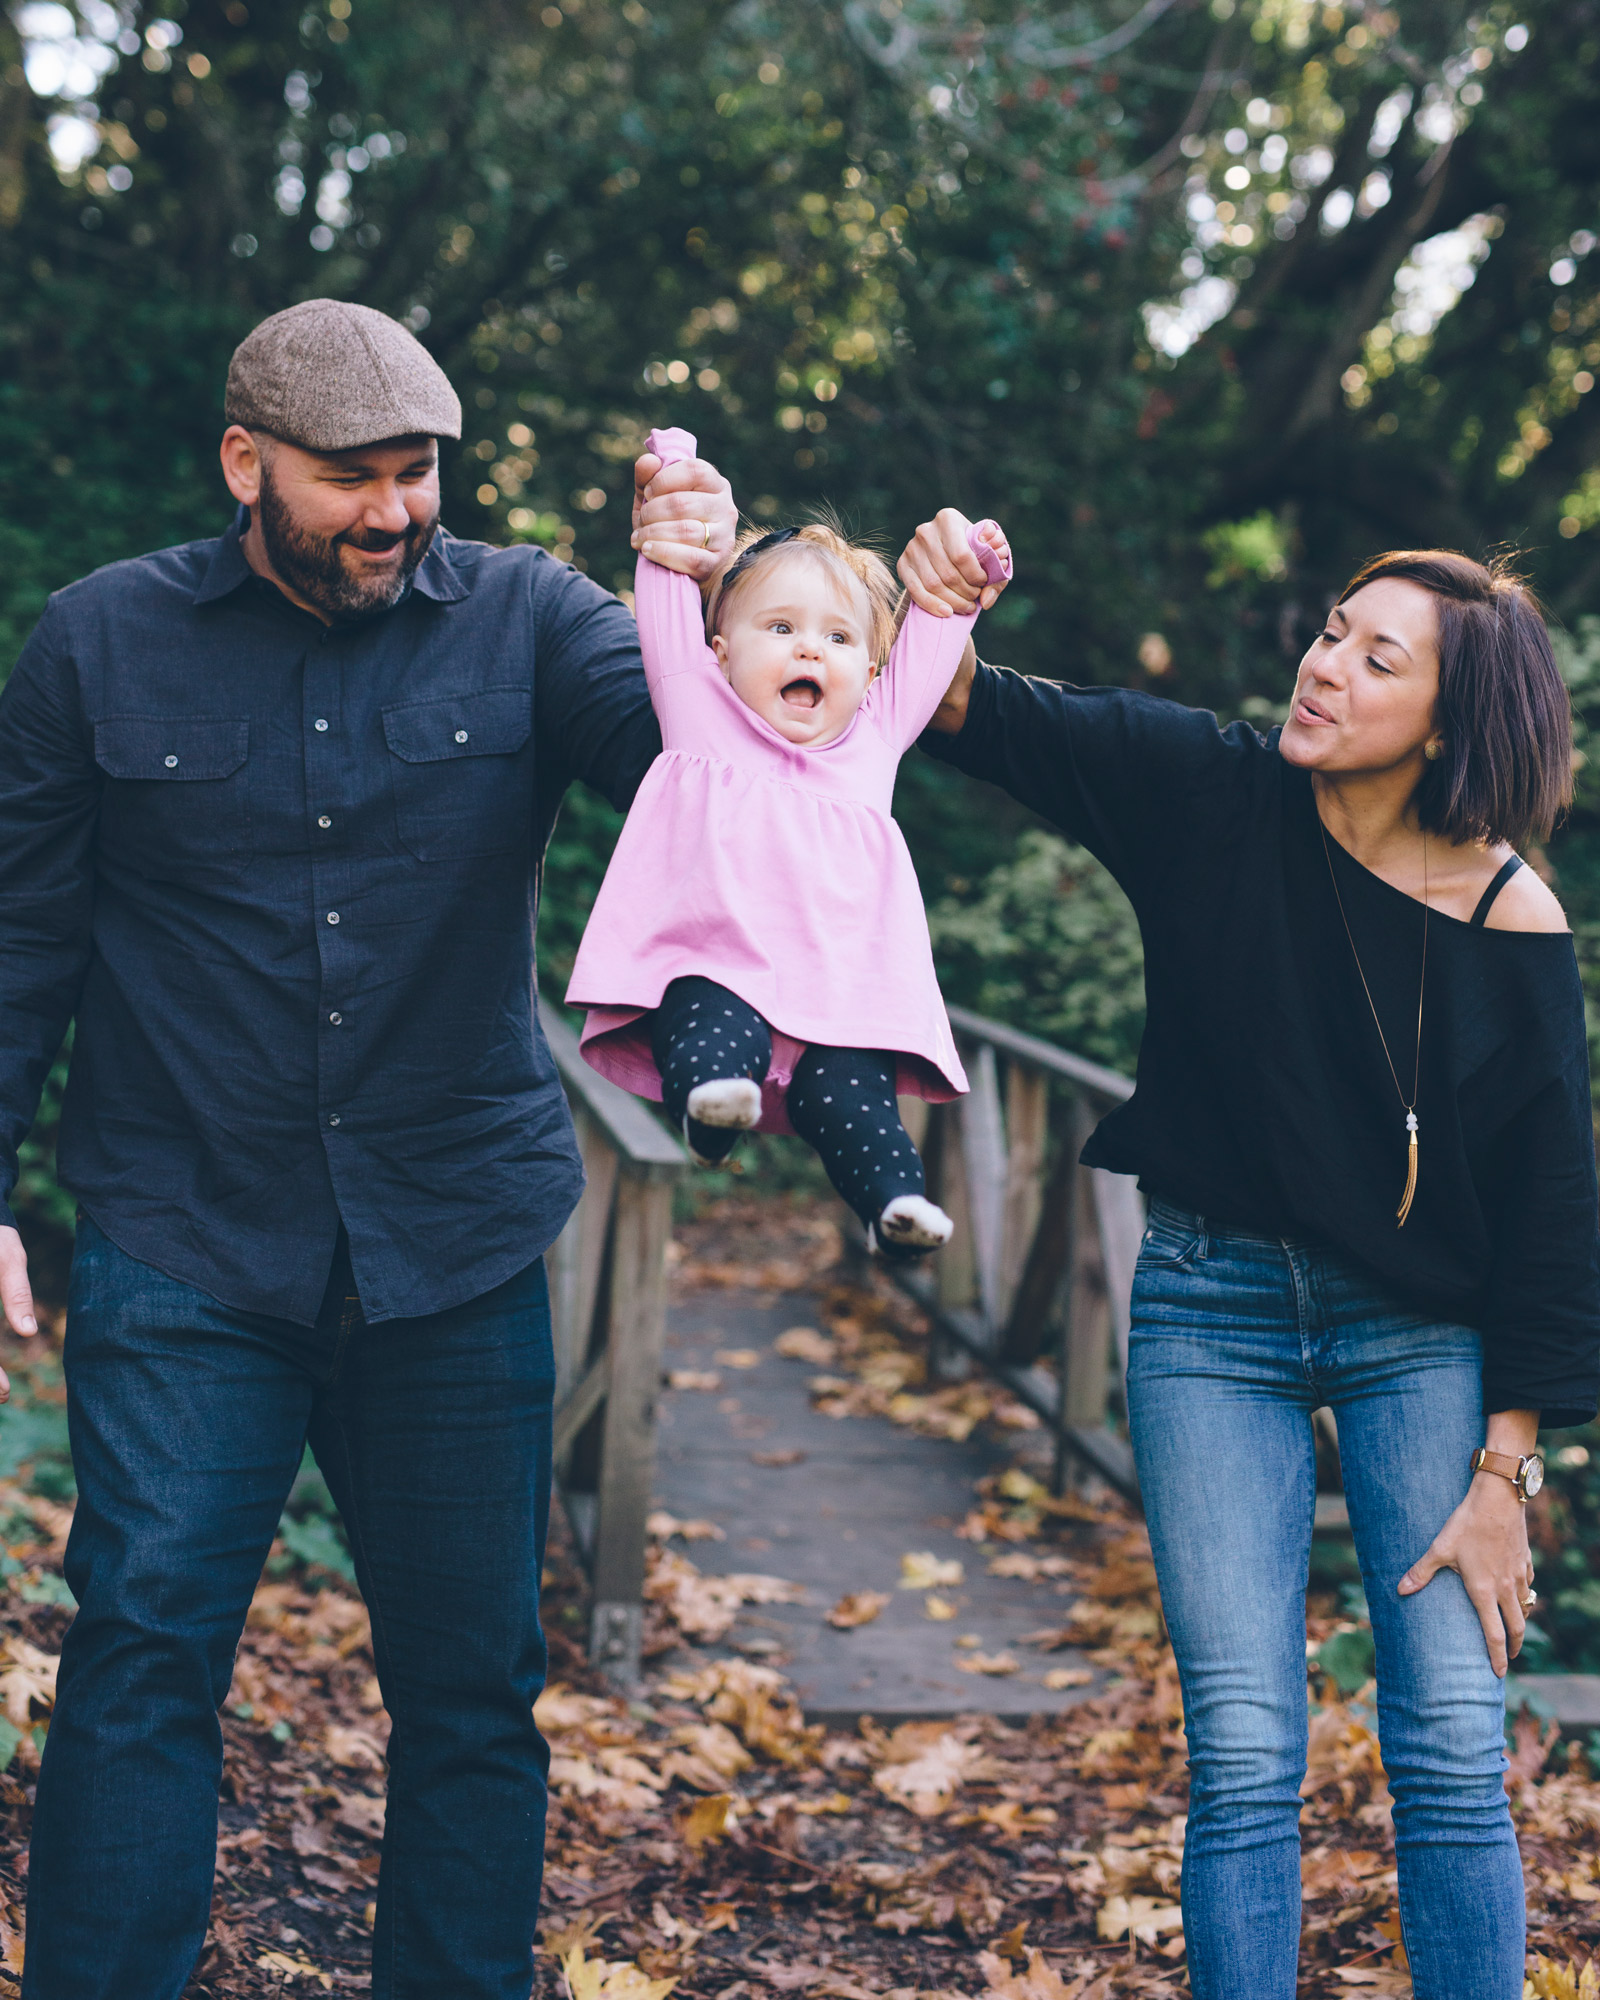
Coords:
pixel 1033 1289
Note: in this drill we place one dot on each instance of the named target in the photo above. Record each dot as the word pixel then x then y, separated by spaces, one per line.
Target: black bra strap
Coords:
pixel 1502 877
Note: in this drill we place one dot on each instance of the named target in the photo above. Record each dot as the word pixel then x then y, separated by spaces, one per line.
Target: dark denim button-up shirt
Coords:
pixel 285 878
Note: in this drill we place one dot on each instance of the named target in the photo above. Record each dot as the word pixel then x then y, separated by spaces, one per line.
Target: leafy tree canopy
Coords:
pixel 1207 302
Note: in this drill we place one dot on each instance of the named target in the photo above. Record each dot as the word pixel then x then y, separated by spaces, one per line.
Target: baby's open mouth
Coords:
pixel 802 694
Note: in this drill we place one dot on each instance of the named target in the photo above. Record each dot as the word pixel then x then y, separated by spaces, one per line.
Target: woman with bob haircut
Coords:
pixel 1362 1120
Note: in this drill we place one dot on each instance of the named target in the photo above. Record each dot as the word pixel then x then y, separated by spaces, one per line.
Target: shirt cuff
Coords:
pixel 1562 1406
pixel 962 748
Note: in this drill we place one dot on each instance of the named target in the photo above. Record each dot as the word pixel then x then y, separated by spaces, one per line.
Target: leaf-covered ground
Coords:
pixel 704 1836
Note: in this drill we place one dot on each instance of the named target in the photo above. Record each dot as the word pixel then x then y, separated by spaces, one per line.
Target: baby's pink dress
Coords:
pixel 773 869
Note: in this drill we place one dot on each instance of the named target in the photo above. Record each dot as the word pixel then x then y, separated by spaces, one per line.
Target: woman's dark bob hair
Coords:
pixel 1505 770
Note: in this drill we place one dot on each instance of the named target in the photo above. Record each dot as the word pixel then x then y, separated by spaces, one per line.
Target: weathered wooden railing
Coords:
pixel 1041 1263
pixel 608 1301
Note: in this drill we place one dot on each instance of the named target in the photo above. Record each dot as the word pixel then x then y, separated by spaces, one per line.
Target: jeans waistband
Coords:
pixel 1176 1216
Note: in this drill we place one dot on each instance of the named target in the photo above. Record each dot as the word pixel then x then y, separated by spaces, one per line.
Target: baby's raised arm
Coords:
pixel 666 601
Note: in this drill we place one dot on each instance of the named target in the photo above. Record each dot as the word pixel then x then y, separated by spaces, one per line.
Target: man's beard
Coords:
pixel 314 566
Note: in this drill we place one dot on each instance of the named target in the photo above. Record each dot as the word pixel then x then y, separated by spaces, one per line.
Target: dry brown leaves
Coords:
pixel 857 1607
pixel 873 1373
pixel 705 1607
pixel 704 1840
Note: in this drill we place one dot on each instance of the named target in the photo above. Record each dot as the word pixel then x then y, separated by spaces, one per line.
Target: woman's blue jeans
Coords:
pixel 188 1421
pixel 1236 1340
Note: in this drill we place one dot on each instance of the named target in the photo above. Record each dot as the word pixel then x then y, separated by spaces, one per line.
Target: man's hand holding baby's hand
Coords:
pixel 940 571
pixel 683 515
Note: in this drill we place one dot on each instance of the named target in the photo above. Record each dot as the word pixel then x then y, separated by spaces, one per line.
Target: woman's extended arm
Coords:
pixel 1126 774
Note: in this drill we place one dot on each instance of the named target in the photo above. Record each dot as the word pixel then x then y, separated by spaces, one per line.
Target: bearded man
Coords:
pixel 272 814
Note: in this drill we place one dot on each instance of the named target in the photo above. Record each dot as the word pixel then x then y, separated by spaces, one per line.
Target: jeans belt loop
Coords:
pixel 1202 1248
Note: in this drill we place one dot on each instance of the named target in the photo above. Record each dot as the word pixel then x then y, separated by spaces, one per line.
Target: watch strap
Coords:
pixel 1503 1464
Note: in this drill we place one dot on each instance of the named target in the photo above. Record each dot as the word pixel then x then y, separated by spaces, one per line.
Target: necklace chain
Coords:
pixel 1383 1040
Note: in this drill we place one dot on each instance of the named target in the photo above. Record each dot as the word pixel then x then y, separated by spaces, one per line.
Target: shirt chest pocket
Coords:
pixel 460 785
pixel 177 795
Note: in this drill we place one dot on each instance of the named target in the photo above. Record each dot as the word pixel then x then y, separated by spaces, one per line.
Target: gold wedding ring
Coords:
pixel 1531 1599
pixel 705 530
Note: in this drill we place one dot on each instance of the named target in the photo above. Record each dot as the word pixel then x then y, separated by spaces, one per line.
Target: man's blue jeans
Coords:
pixel 1236 1340
pixel 188 1422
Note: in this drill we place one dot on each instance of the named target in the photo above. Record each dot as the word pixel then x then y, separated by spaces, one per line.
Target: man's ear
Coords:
pixel 241 465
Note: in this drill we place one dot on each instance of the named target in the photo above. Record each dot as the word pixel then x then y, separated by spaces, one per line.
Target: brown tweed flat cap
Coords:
pixel 330 376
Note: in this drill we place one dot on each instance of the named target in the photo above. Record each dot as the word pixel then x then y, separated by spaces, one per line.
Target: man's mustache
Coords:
pixel 373 541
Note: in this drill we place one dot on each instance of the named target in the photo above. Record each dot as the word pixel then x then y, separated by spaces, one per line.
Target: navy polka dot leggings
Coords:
pixel 841 1101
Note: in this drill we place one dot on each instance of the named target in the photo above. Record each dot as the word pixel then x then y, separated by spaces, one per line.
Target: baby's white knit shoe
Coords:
pixel 909 1226
pixel 730 1102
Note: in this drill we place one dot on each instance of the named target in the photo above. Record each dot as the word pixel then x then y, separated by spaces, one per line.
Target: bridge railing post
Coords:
pixel 1041 1262
pixel 608 1299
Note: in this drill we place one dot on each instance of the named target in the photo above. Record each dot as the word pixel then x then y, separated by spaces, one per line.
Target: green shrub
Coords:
pixel 1046 941
pixel 1564 1635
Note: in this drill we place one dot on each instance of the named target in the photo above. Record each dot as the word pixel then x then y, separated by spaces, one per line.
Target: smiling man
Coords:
pixel 272 815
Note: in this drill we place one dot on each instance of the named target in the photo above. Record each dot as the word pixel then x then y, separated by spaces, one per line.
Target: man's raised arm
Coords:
pixel 594 710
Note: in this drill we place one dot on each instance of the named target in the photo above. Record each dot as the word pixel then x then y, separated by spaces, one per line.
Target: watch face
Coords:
pixel 1532 1475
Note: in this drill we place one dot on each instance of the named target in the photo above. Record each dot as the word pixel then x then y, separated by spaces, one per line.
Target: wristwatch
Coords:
pixel 1525 1474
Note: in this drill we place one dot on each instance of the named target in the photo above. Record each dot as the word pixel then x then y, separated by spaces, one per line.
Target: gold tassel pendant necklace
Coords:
pixel 1416 1072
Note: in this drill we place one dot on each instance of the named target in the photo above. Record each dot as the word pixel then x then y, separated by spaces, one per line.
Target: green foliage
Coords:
pixel 38 1194
pixel 311 1534
pixel 1564 1634
pixel 574 866
pixel 1048 942
pixel 33 1428
pixel 868 259
pixel 1348 1659
pixel 1258 547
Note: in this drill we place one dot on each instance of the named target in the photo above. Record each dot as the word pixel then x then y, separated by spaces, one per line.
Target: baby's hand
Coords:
pixel 942 573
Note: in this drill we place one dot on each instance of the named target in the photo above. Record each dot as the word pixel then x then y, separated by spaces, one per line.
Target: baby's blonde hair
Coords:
pixel 854 564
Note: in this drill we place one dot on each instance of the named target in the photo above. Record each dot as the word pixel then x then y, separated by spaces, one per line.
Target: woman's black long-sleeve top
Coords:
pixel 1263 1094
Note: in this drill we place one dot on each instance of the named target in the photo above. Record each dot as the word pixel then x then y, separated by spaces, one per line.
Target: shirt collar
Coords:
pixel 227 568
pixel 437 576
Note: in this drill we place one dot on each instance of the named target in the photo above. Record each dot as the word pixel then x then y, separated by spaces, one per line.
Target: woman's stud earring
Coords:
pixel 1433 751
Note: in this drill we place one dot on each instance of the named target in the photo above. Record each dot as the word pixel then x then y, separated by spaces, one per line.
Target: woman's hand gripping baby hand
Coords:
pixel 944 574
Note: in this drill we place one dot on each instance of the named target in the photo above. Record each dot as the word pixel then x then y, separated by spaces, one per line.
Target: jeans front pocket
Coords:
pixel 1173 1238
pixel 462 784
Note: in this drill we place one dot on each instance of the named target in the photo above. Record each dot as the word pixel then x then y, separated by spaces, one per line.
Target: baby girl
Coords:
pixel 758 954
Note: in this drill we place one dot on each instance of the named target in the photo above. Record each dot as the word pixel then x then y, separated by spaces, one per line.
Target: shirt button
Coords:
pixel 333 1117
pixel 323 821
pixel 172 763
pixel 333 916
pixel 320 724
pixel 461 737
pixel 336 1019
